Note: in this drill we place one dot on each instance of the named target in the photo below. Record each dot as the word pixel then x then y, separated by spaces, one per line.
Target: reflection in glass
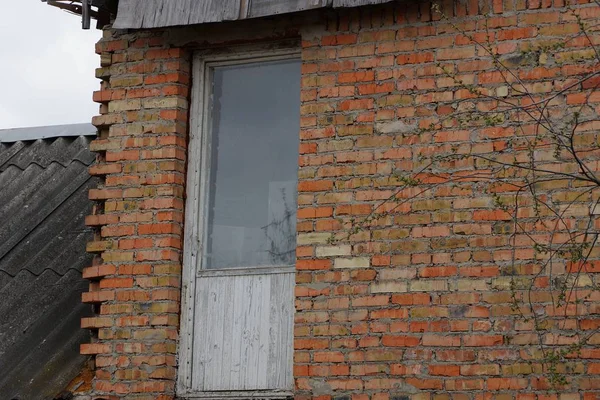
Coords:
pixel 252 198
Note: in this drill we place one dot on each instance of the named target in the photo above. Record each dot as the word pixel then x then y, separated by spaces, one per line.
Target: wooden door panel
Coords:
pixel 243 332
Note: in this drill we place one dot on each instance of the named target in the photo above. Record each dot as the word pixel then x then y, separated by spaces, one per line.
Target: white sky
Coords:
pixel 47 65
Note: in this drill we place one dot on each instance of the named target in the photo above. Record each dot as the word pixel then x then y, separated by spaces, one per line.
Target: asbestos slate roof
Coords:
pixel 43 203
pixel 134 14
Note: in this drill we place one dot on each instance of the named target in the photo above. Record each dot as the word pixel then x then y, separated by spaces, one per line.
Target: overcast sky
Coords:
pixel 47 68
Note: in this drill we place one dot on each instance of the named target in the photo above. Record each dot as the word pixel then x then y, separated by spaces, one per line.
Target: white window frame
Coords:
pixel 198 175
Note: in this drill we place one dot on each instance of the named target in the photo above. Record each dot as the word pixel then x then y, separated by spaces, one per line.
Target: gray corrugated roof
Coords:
pixel 134 14
pixel 43 203
pixel 42 132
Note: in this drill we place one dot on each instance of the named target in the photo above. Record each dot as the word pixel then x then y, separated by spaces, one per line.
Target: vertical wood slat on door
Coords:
pixel 243 332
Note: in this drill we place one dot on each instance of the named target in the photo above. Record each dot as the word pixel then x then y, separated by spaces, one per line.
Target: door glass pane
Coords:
pixel 252 195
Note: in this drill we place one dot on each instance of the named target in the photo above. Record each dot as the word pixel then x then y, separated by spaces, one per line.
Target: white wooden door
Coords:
pixel 239 274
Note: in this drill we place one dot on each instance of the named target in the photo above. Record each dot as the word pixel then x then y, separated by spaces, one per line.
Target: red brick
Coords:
pixel 482 340
pixel 314 186
pixel 116 283
pixel 99 271
pixel 400 341
pixel 444 370
pixel 95 348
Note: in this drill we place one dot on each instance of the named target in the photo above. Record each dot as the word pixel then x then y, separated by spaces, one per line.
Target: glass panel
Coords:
pixel 252 199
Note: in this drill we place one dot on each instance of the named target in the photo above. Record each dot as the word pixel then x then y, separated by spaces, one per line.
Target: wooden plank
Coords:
pixel 134 14
pixel 204 326
pixel 249 333
pixel 281 329
pixel 174 10
pixel 274 334
pixel 214 11
pixel 262 8
pixel 250 346
pixel 235 370
pixel 126 17
pixel 201 354
pixel 212 374
pixel 263 329
pixel 191 242
pixel 288 307
pixel 226 338
pixel 246 271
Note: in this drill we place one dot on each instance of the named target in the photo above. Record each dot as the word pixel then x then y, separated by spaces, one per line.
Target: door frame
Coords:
pixel 196 190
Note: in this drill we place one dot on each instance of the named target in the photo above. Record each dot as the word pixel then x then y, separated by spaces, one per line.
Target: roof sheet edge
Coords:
pixel 45 132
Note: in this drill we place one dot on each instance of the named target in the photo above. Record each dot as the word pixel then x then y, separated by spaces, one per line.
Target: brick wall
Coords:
pixel 136 279
pixel 417 307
